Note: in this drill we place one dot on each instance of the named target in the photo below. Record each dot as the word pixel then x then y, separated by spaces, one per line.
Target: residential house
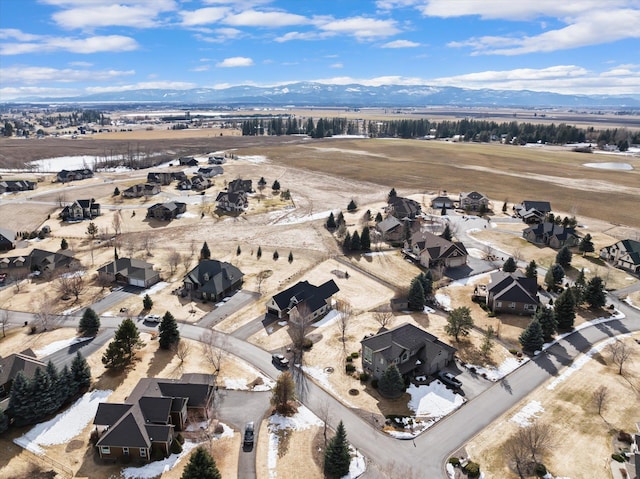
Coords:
pixel 130 271
pixel 391 229
pixel 145 424
pixel 166 211
pixel 80 210
pixel 210 171
pixel 141 189
pixel 551 234
pixel 403 208
pixel 200 183
pixel 12 186
pixel 305 298
pixel 624 254
pixel 161 178
pixel 440 202
pixel 217 160
pixel 178 175
pixel 532 211
pixel 512 293
pixel 234 202
pixel 413 350
pixel 474 201
pixel 7 239
pixel 47 261
pixel 184 184
pixel 73 175
pixel 212 280
pixel 431 251
pixel 25 362
pixel 239 185
pixel 188 161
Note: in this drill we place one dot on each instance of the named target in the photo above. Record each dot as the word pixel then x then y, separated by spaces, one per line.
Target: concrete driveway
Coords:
pixel 238 301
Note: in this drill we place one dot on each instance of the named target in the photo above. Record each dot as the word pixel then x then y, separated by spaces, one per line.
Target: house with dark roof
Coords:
pixel 306 299
pixel 413 350
pixel 25 362
pixel 184 184
pixel 432 251
pixel 217 160
pixel 166 211
pixel 187 161
pixel 162 178
pixel 7 239
pixel 473 201
pixel 212 280
pixel 39 260
pixel 440 202
pixel 141 189
pixel 234 202
pixel 80 210
pixel 532 211
pixel 551 234
pixel 624 254
pixel 74 175
pixel 129 271
pixel 402 208
pixel 200 183
pixel 512 293
pixel 13 186
pixel 239 185
pixel 391 229
pixel 146 423
pixel 210 171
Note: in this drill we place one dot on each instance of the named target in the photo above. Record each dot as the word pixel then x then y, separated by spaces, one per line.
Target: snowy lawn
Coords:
pixel 444 301
pixel 322 377
pixel 496 373
pixel 154 289
pixel 58 345
pixel 65 426
pixel 240 384
pixel 330 318
pixel 528 414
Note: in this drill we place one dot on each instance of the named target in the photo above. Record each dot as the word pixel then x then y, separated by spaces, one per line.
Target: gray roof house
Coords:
pixel 532 211
pixel 442 201
pixel 210 171
pixel 432 250
pixel 141 189
pixel 624 254
pixel 402 208
pixel 166 211
pixel 512 293
pixel 305 298
pixel 238 185
pixel 391 229
pixel 551 234
pixel 129 271
pixel 212 280
pixel 80 209
pixel 230 201
pixel 413 350
pixel 12 186
pixel 473 201
pixel 25 362
pixel 7 239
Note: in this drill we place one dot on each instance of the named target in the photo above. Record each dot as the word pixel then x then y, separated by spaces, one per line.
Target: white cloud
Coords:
pixel 96 13
pixel 311 35
pixel 203 16
pixel 81 64
pixel 221 35
pixel 234 62
pixel 15 34
pixel 24 74
pixel 337 65
pixel 254 18
pixel 362 28
pixel 201 68
pixel 400 44
pixel 86 45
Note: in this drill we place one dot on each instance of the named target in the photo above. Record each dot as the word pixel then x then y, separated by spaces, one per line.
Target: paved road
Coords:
pixel 252 327
pixel 64 357
pixel 238 301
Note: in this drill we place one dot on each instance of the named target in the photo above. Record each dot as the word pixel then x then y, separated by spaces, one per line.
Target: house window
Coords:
pixel 530 307
pixel 404 357
pixel 512 305
pixel 105 450
pixel 125 451
pixel 498 304
pixel 367 354
pixel 143 452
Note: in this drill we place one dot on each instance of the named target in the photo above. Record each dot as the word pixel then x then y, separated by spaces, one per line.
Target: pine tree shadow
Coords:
pixel 159 361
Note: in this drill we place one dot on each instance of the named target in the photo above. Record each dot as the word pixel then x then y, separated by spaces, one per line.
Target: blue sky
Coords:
pixel 73 47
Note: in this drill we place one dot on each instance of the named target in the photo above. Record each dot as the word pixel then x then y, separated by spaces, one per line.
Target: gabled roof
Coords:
pixel 129 268
pixel 127 432
pixel 7 234
pixel 232 197
pixel 314 296
pixel 213 276
pixel 437 247
pixel 513 287
pixel 551 230
pixel 474 195
pixel 541 206
pixel 24 361
pixel 442 199
pixel 388 224
pixel 403 207
pixel 170 206
pixel 109 413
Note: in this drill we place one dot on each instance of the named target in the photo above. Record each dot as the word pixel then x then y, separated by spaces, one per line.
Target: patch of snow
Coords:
pixel 375 253
pixel 322 377
pixel 197 426
pixel 330 318
pixel 66 425
pixel 253 158
pixel 528 413
pixel 451 472
pixel 63 163
pixel 357 466
pixel 294 220
pixel 240 384
pixel 444 301
pixel 76 274
pixel 427 309
pixel 495 374
pixel 433 400
pixel 282 323
pixel 610 166
pixel 629 302
pixel 470 279
pixel 58 345
pixel 187 215
pixel 154 289
pixel 157 468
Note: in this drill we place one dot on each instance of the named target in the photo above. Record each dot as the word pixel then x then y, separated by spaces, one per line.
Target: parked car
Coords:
pixel 152 318
pixel 247 442
pixel 280 361
pixel 449 379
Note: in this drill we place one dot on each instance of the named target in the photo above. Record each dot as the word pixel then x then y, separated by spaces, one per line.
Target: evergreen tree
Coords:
pixel 580 288
pixel 115 253
pixel 546 317
pixel 121 350
pixel 64 244
pixel 89 323
pixel 378 217
pixel 290 259
pixel 337 458
pixel 356 244
pixel 66 386
pixel 392 194
pixel 116 191
pixel 201 466
pixel 565 310
pixel 340 220
pixel 275 186
pixel 443 211
pixel 586 245
pixel 391 383
pixel 81 372
pixel 487 342
pixel 42 394
pixel 594 294
pixel 531 338
pixel 21 406
pixel 365 239
pixel 509 266
pixel 238 251
pixel 331 222
pixel 168 331
pixel 563 258
pixel 446 234
pixel 275 255
pixel 346 243
pixel 557 273
pixel 426 279
pixel 352 206
pixel 504 207
pixel 204 252
pixel 147 302
pixel 416 295
pixel 92 230
pixel 259 252
pixel 531 271
pixel 4 421
pixel 459 322
pixel 56 393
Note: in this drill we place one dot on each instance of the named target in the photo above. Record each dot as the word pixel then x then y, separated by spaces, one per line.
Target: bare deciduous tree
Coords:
pixel 146 241
pixel 344 308
pixel 600 398
pixel 116 222
pixel 4 320
pixel 16 278
pixel 518 455
pixel 262 275
pixel 43 311
pixel 527 446
pixel 61 198
pixel 71 283
pixel 213 349
pixel 174 260
pixel 186 260
pixel 383 317
pixel 620 353
pixel 299 325
pixel 517 255
pixel 324 413
pixel 182 350
pixel 130 246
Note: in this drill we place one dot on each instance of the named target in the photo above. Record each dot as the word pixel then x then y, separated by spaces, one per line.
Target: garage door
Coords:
pixel 137 282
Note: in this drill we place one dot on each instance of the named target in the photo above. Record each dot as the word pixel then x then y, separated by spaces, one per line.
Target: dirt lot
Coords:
pixel 574 419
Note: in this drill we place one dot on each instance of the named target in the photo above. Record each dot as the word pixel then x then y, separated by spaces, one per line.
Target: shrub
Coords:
pixel 176 447
pixel 454 461
pixel 219 429
pixel 364 377
pixel 513 351
pixel 617 457
pixel 374 383
pixel 355 355
pixel 472 469
pixel 540 470
pixel 179 438
pixel 349 359
pixel 307 344
pixel 350 368
pixel 624 437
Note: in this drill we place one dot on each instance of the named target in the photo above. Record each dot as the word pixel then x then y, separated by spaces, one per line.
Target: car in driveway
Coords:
pixel 449 379
pixel 152 318
pixel 247 442
pixel 280 361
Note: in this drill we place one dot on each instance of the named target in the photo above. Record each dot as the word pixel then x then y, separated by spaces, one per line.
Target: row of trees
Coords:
pixel 33 399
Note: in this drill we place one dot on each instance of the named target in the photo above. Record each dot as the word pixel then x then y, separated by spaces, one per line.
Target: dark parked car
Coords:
pixel 280 361
pixel 449 379
pixel 247 443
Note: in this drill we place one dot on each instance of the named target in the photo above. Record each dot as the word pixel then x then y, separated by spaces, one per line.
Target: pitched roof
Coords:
pixel 513 287
pixel 436 246
pixel 388 224
pixel 403 207
pixel 474 195
pixel 314 296
pixel 109 413
pixel 214 276
pixel 24 361
pixel 7 234
pixel 541 206
pixel 551 229
pixel 130 268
